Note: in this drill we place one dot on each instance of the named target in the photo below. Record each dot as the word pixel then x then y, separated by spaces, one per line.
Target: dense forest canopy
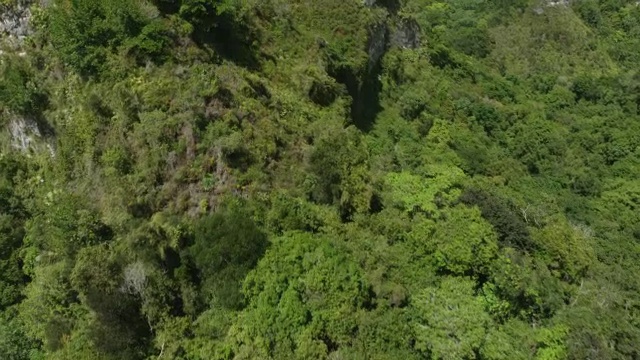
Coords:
pixel 335 179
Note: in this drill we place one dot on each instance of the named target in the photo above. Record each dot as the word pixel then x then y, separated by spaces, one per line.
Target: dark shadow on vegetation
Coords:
pixel 363 85
pixel 228 244
pixel 375 204
pixel 140 210
pixel 103 231
pixel 239 159
pixel 231 40
pixel 230 37
pixel 393 6
pixel 258 90
pixel 176 304
pixel 366 104
pixel 322 93
pixel 411 109
pixel 44 127
pixel 171 260
pixel 167 6
pixel 99 107
pixel 442 57
pixel 346 213
pixel 331 345
pixel 121 329
pixel 511 228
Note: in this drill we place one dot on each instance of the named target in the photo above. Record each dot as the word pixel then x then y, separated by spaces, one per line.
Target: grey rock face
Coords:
pixel 539 10
pixel 406 35
pixel 14 20
pixel 377 43
pixel 22 132
pixel 558 3
pixel 27 137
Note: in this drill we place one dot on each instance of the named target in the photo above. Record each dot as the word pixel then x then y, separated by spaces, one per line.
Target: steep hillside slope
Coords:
pixel 337 179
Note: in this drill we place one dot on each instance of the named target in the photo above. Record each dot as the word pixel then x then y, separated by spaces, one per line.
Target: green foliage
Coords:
pixel 12 217
pixel 551 344
pixel 569 250
pixel 451 322
pixel 334 179
pixel 49 307
pixel 14 343
pixel 316 312
pixel 201 12
pixel 19 91
pixel 413 193
pixel 464 243
pixel 153 42
pixel 117 327
pixel 227 245
pixel 67 229
pixel 339 168
pixel 86 33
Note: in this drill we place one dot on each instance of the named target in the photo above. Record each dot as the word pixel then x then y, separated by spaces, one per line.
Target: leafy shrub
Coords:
pixel 587 88
pixel 338 167
pixel 18 90
pixel 471 40
pixel 153 42
pixel 487 116
pixel 86 32
pixel 589 11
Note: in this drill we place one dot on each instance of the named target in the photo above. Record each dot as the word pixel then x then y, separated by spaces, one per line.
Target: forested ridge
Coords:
pixel 335 179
